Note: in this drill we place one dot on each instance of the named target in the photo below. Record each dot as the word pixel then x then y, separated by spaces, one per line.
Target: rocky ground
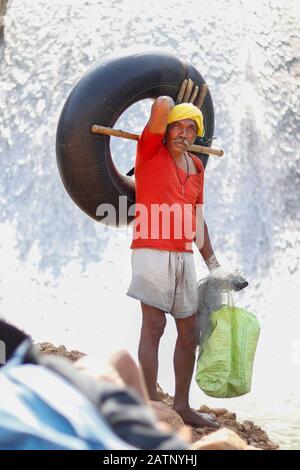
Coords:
pixel 247 430
pixel 251 434
pixel 49 348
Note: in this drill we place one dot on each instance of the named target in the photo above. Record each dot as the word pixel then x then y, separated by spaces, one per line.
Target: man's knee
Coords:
pixel 189 339
pixel 154 327
pixel 188 332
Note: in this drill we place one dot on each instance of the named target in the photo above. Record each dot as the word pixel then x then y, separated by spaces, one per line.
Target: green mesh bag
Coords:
pixel 225 363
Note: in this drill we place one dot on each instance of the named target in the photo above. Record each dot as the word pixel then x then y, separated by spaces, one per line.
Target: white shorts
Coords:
pixel 165 279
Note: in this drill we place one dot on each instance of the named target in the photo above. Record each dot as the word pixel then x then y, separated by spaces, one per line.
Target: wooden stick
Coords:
pixel 195 92
pixel 202 95
pixel 188 91
pixel 181 91
pixel 128 135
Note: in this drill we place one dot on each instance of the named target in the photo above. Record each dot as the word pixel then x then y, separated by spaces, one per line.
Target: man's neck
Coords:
pixel 178 156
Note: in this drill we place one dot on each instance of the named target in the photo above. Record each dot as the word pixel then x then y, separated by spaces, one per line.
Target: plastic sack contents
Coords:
pixel 228 340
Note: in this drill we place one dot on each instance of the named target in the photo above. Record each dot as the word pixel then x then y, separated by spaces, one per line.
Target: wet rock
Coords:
pixel 239 426
pixel 230 416
pixel 272 445
pixel 164 397
pixel 49 349
pixel 220 411
pixel 223 439
pixel 252 435
pixel 227 422
pixel 248 425
pixel 205 409
pixel 166 414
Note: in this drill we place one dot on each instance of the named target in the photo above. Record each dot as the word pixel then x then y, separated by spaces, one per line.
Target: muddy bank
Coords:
pixel 247 430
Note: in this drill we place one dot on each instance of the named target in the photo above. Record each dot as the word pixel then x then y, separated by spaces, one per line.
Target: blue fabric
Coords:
pixel 40 410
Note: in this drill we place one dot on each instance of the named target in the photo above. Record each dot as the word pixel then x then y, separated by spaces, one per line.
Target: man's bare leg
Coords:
pixel 129 372
pixel 153 325
pixel 121 369
pixel 184 361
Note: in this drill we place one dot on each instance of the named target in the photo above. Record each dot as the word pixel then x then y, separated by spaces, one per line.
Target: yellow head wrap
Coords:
pixel 187 111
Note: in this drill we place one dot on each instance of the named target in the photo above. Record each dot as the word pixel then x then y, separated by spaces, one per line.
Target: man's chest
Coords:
pixel 187 165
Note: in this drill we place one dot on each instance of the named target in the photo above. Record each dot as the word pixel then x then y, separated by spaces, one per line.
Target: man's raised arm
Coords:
pixel 160 111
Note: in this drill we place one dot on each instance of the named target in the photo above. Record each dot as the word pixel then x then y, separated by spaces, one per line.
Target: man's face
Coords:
pixel 181 134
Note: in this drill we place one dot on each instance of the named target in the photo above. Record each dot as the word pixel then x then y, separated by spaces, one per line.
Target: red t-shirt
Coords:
pixel 164 217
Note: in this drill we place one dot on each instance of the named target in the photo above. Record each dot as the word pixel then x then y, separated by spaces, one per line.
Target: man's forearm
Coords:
pixel 207 252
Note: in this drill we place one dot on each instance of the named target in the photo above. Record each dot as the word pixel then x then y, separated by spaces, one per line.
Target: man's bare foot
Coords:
pixel 197 420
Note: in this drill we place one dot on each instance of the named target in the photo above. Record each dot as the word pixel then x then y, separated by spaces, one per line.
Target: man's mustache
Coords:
pixel 181 141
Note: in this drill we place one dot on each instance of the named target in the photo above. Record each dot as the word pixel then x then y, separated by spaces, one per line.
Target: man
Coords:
pixel 163 270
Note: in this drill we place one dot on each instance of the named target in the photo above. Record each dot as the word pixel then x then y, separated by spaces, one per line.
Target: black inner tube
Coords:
pixel 100 97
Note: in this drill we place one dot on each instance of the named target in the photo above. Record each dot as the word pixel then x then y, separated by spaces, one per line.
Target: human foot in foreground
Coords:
pixel 197 420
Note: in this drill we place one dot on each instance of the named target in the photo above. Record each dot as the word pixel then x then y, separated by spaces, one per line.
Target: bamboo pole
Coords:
pixel 128 135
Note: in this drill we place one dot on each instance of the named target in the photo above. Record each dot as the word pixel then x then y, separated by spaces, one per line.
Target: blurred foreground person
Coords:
pixel 47 403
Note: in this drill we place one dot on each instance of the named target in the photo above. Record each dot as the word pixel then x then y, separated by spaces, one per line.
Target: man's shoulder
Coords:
pixel 197 162
pixel 149 144
pixel 147 134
